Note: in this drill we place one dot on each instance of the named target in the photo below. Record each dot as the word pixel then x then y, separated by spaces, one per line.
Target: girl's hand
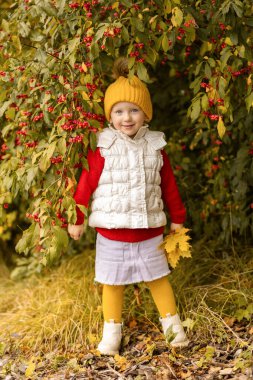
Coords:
pixel 75 231
pixel 174 226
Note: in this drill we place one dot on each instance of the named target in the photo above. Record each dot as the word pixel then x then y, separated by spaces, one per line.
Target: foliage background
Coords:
pixel 55 63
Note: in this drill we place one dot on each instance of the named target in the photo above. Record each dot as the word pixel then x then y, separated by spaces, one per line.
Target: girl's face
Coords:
pixel 127 118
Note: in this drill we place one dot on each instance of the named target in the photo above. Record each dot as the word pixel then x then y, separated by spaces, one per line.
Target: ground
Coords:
pixel 144 355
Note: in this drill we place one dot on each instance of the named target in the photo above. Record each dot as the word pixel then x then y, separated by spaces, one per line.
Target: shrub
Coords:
pixel 55 63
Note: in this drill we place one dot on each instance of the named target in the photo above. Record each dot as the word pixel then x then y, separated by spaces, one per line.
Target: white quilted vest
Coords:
pixel 128 193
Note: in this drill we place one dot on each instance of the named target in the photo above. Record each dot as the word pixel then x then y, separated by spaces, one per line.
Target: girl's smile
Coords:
pixel 127 118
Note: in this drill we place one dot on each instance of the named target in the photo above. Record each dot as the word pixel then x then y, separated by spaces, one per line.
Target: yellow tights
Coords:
pixel 160 289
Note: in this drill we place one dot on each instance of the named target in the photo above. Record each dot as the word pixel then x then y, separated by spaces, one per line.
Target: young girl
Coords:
pixel 130 179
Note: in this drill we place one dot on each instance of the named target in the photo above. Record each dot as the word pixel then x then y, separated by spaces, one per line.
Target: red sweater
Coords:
pixel 89 181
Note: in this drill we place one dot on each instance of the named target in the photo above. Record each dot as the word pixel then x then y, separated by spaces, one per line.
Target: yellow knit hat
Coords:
pixel 127 90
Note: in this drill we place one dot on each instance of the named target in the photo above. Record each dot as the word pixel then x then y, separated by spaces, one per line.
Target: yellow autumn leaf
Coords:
pixel 173 257
pixel 186 253
pixel 84 67
pixel 92 338
pixel 85 95
pixel 170 242
pixel 221 128
pixel 184 246
pixel 228 41
pixel 177 245
pixel 115 5
pixel 30 369
pixel 120 361
pixel 177 17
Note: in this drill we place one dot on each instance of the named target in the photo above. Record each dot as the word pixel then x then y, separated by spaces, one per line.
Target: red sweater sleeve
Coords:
pixel 170 193
pixel 88 182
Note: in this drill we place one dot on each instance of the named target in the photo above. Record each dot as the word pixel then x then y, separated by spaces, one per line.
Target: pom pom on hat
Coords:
pixel 126 89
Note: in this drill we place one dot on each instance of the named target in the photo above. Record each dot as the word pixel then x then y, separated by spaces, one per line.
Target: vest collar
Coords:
pixel 109 135
pixel 141 133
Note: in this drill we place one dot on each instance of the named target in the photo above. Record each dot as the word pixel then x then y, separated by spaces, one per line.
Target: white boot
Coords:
pixel 174 331
pixel 112 334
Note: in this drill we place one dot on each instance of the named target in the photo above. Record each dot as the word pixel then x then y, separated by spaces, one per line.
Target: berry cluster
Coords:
pixel 38 117
pixel 137 52
pixel 34 216
pixel 70 125
pixel 56 160
pixel 112 32
pixel 31 144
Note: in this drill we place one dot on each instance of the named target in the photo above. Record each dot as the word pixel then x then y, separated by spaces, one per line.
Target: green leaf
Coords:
pixel 94 51
pixel 36 36
pixel 249 101
pixel 41 56
pixel 3 94
pixel 204 102
pixel 48 9
pixel 61 146
pixel 4 107
pixel 211 62
pixel 222 86
pixel 190 36
pixel 195 110
pixel 31 174
pixel 196 84
pixel 93 141
pixel 167 7
pixel 24 28
pixel 73 44
pixel 70 205
pixel 125 34
pixel 152 56
pixel 238 8
pixel 208 71
pixel 5 26
pixel 72 59
pixel 10 113
pixel 225 7
pixel 142 72
pixel 127 3
pixel 165 43
pixel 61 5
pixel 17 43
pixel 29 239
pixel 59 244
pixel 249 21
pixel 234 37
pixel 198 67
pixel 95 123
pixel 225 55
pixel 138 24
pixel 61 237
pixel 99 34
pixel 45 162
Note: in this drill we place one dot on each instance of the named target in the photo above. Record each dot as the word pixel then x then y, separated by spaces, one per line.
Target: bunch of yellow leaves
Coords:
pixel 177 245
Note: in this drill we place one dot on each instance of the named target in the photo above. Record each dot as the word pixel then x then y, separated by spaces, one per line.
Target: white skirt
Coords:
pixel 121 263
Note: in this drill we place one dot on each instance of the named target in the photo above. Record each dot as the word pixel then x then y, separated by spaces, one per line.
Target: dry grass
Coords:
pixel 62 310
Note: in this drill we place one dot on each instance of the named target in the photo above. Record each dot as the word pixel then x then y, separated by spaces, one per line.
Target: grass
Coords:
pixel 62 310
